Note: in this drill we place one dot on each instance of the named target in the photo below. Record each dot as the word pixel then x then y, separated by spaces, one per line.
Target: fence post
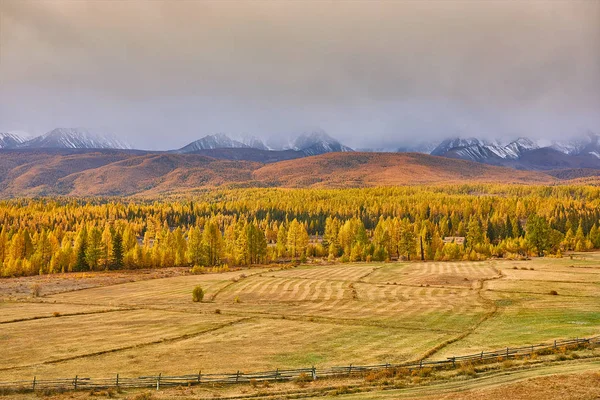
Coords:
pixel 33 387
pixel 454 362
pixel 158 381
pixel 349 369
pixel 75 382
pixel 117 381
pixel 507 353
pixel 555 344
pixel 482 354
pixel 277 375
pixel 199 376
pixel 314 373
pixel 421 364
pixel 237 377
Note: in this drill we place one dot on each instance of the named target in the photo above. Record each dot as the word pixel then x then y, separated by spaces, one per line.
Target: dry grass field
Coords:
pixel 322 315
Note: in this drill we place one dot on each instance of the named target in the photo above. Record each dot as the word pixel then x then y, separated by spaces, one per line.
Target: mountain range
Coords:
pixel 523 153
pixel 64 172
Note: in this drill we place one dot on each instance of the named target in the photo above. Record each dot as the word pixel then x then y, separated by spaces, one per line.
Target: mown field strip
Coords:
pixel 23 311
pixel 248 344
pixel 68 337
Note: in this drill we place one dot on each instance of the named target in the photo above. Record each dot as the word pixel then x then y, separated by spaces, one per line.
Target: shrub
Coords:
pixel 36 290
pixel 467 369
pixel 554 293
pixel 237 299
pixel 198 294
pixel 342 390
pixel 302 379
pixel 422 372
pixel 143 396
pixel 56 314
pixel 218 311
pixel 197 270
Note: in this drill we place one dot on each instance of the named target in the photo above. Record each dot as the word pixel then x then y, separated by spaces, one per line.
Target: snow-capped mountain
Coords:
pixel 210 142
pixel 10 140
pixel 307 144
pixel 318 142
pixel 517 147
pixel 75 138
pixel 481 150
pixel 526 153
pixel 589 144
pixel 254 142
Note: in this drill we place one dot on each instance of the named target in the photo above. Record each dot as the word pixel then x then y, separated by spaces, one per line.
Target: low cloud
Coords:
pixel 161 74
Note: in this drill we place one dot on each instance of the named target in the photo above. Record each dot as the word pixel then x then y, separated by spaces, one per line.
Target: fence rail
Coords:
pixel 163 381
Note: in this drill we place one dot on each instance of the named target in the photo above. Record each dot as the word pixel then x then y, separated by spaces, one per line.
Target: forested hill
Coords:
pixel 123 173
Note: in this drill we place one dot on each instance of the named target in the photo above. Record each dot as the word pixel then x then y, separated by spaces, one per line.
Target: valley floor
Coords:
pixel 145 322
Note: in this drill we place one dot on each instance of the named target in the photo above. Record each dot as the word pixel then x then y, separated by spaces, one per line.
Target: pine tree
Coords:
pixel 81 263
pixel 117 251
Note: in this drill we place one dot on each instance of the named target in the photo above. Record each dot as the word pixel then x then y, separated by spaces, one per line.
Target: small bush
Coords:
pixel 143 396
pixel 467 369
pixel 507 364
pixel 302 379
pixel 554 293
pixel 36 290
pixel 198 270
pixel 422 372
pixel 198 294
pixel 218 311
pixel 562 357
pixel 56 314
pixel 237 300
pixel 342 390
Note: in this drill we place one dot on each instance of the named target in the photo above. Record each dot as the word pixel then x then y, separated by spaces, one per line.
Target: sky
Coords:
pixel 375 74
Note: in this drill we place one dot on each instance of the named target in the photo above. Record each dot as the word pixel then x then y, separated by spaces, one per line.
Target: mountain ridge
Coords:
pixel 27 173
pixel 520 153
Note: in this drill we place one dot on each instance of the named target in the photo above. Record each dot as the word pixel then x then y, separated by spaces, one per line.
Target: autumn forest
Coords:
pixel 225 228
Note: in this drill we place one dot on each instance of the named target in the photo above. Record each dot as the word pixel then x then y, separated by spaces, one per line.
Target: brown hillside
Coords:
pixel 121 174
pixel 383 169
pixel 158 173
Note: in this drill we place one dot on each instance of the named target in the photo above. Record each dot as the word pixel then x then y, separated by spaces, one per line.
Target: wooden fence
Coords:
pixel 162 381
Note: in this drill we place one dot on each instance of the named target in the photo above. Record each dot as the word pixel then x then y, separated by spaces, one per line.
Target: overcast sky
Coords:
pixel 372 74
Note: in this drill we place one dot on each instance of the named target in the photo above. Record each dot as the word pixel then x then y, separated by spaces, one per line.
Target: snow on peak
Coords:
pixel 76 138
pixel 318 142
pixel 254 142
pixel 477 149
pixel 209 142
pixel 10 140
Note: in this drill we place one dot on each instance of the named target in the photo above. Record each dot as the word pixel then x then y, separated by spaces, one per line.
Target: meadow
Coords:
pixel 289 317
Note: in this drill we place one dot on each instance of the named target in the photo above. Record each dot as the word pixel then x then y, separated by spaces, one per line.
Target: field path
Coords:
pixel 486 381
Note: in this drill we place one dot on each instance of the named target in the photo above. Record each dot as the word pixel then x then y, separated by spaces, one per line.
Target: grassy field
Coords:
pixel 323 315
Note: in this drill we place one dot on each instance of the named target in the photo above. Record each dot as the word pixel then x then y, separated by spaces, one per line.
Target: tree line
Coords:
pixel 257 226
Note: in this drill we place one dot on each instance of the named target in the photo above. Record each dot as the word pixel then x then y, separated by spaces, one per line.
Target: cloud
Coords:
pixel 162 73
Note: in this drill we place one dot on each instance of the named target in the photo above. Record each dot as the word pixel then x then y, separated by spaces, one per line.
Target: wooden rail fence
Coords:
pixel 162 381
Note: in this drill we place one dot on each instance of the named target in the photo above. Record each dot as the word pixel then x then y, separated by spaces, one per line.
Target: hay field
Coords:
pixel 323 315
